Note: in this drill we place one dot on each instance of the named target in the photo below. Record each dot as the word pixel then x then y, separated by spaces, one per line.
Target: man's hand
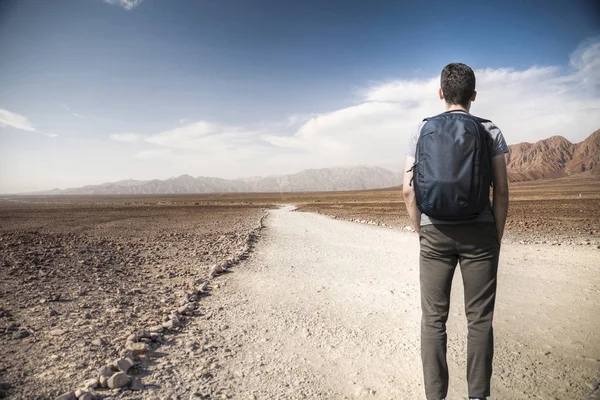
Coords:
pixel 500 197
pixel 408 193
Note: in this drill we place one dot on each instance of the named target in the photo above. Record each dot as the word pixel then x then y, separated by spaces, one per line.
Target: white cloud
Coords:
pixel 586 61
pixel 15 120
pixel 127 137
pixel 296 119
pixel 18 121
pixel 204 137
pixel 126 4
pixel 528 105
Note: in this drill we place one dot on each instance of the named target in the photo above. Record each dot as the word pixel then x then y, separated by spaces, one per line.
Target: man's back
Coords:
pixel 498 147
pixel 452 170
pixel 474 242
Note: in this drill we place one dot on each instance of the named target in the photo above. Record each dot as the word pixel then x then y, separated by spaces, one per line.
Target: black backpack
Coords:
pixel 452 173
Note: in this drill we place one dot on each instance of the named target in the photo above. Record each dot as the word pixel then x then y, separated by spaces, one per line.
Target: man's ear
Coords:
pixel 441 93
pixel 474 95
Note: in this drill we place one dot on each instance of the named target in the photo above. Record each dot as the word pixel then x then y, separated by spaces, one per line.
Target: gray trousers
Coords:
pixel 475 246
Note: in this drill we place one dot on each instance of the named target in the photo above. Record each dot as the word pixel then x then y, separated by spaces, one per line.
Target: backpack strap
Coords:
pixel 481 120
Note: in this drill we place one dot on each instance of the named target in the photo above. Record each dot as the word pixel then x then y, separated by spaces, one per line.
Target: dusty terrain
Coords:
pixel 78 275
pixel 323 308
pixel 563 211
pixel 329 309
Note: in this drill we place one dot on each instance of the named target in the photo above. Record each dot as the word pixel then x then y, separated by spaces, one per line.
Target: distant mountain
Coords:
pixel 550 158
pixel 554 157
pixel 310 180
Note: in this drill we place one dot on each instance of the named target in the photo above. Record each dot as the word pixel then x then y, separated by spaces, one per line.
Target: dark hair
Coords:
pixel 458 83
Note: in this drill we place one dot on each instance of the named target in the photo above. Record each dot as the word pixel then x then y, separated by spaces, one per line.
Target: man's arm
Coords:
pixel 500 197
pixel 408 193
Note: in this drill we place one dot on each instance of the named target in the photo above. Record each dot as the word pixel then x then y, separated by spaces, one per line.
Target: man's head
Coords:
pixel 458 85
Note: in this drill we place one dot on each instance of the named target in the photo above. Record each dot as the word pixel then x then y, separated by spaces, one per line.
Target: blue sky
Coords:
pixel 96 91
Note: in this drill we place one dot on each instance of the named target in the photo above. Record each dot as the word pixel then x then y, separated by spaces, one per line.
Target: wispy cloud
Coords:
pixel 527 105
pixel 127 137
pixel 200 136
pixel 126 4
pixel 70 110
pixel 18 121
pixel 586 61
pixel 15 120
pixel 296 119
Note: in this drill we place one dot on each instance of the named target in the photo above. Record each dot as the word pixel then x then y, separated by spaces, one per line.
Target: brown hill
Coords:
pixel 554 157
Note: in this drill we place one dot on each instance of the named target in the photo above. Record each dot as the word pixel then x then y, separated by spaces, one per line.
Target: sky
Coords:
pixel 93 91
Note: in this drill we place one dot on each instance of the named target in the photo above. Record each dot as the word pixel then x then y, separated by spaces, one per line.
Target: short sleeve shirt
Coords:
pixel 499 146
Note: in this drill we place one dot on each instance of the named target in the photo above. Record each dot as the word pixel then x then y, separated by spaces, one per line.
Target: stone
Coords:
pixel 103 381
pixel 592 385
pixel 124 364
pixel 106 371
pixel 118 380
pixel 86 396
pixel 138 335
pixel 137 348
pixel 215 269
pixel 67 396
pixel 157 329
pixel 125 353
pixel 98 342
pixel 57 332
pixel 79 393
pixel 20 334
pixel 92 383
pixel 172 323
pixel 185 309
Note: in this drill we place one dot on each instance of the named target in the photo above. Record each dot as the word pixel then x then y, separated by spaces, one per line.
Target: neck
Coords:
pixel 454 107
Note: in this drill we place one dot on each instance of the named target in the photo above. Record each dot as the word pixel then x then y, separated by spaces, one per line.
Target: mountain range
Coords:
pixel 554 157
pixel 310 180
pixel 550 158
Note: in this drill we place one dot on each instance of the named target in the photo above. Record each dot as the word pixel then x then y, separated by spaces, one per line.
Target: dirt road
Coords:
pixel 330 309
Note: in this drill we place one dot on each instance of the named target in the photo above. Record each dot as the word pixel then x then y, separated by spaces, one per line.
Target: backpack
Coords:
pixel 452 173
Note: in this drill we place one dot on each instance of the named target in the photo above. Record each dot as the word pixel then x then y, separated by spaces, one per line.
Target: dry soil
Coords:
pixel 330 309
pixel 323 308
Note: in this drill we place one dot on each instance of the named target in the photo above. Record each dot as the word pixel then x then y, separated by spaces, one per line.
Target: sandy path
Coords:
pixel 330 309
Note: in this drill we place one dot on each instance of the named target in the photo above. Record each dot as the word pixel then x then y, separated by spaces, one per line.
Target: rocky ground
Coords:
pixel 78 278
pixel 559 212
pixel 328 309
pixel 119 292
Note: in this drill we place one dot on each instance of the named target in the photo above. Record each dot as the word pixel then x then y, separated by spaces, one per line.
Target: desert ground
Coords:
pixel 281 296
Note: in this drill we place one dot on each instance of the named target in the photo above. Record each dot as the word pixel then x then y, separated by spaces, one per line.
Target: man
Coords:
pixel 474 242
